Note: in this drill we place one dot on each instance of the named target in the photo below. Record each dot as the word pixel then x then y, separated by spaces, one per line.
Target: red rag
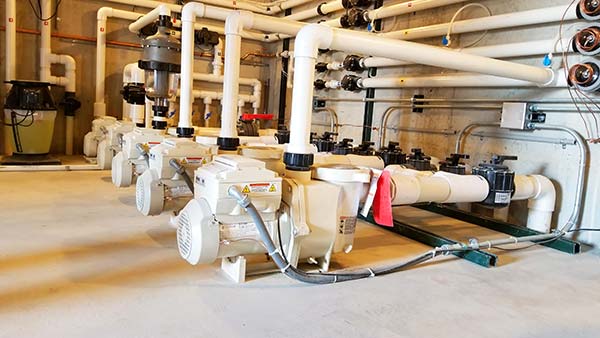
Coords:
pixel 382 205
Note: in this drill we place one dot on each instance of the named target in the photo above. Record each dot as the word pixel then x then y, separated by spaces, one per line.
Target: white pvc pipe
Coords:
pixel 101 27
pixel 148 117
pixel 399 9
pixel 323 8
pixel 217 63
pixel 410 187
pixel 454 80
pixel 496 51
pixel 541 196
pixel 233 45
pixel 11 40
pixel 509 20
pixel 194 10
pixel 162 10
pixel 47 58
pixel 266 8
pixel 313 37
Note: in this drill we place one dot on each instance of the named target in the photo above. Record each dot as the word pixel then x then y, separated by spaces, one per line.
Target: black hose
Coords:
pixel 180 169
pixel 317 278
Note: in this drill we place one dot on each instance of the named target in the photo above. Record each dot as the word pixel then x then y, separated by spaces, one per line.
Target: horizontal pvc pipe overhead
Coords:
pixel 399 9
pixel 496 51
pixel 314 37
pixel 321 9
pixel 509 20
pixel 462 80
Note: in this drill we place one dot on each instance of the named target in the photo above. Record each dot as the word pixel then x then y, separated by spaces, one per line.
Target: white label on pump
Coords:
pixel 372 191
pixel 347 225
pixel 194 160
pixel 502 198
pixel 236 231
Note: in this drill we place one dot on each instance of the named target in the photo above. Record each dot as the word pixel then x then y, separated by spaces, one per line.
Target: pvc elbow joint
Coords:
pixel 237 21
pixel 103 13
pixel 192 10
pixel 311 38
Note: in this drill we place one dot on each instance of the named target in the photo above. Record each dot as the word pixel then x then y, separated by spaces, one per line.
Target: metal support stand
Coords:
pixel 562 244
pixel 478 257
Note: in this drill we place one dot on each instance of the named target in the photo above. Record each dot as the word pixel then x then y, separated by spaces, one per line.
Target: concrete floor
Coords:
pixel 77 260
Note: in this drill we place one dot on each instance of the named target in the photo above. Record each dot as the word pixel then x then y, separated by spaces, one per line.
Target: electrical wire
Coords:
pixel 546 241
pixel 29 114
pixel 448 41
pixel 578 93
pixel 38 12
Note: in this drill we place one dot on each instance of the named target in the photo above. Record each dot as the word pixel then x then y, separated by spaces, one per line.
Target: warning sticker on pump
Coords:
pixel 347 225
pixel 259 188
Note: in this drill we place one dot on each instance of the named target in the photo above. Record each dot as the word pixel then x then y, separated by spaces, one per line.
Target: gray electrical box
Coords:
pixel 514 115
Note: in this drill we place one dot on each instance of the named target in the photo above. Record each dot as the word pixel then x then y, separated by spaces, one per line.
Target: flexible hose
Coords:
pixel 144 152
pixel 320 278
pixel 180 169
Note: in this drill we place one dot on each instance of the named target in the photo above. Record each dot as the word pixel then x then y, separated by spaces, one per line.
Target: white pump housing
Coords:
pixel 161 181
pixel 213 225
pixel 111 144
pixel 97 134
pixel 314 218
pixel 129 162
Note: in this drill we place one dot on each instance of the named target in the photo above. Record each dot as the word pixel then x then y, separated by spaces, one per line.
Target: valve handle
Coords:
pixel 499 159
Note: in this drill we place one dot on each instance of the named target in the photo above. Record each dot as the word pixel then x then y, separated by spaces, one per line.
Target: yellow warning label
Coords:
pixel 273 188
pixel 246 190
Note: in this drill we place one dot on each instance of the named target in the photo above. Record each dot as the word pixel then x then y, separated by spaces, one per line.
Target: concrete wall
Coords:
pixel 78 17
pixel 440 125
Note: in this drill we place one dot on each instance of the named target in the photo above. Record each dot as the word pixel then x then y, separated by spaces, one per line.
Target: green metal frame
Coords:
pixel 482 258
pixel 561 244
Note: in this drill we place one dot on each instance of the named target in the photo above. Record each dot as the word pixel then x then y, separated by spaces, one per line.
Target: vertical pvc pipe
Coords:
pixel 11 40
pixel 69 126
pixel 231 88
pixel 45 46
pixel 100 105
